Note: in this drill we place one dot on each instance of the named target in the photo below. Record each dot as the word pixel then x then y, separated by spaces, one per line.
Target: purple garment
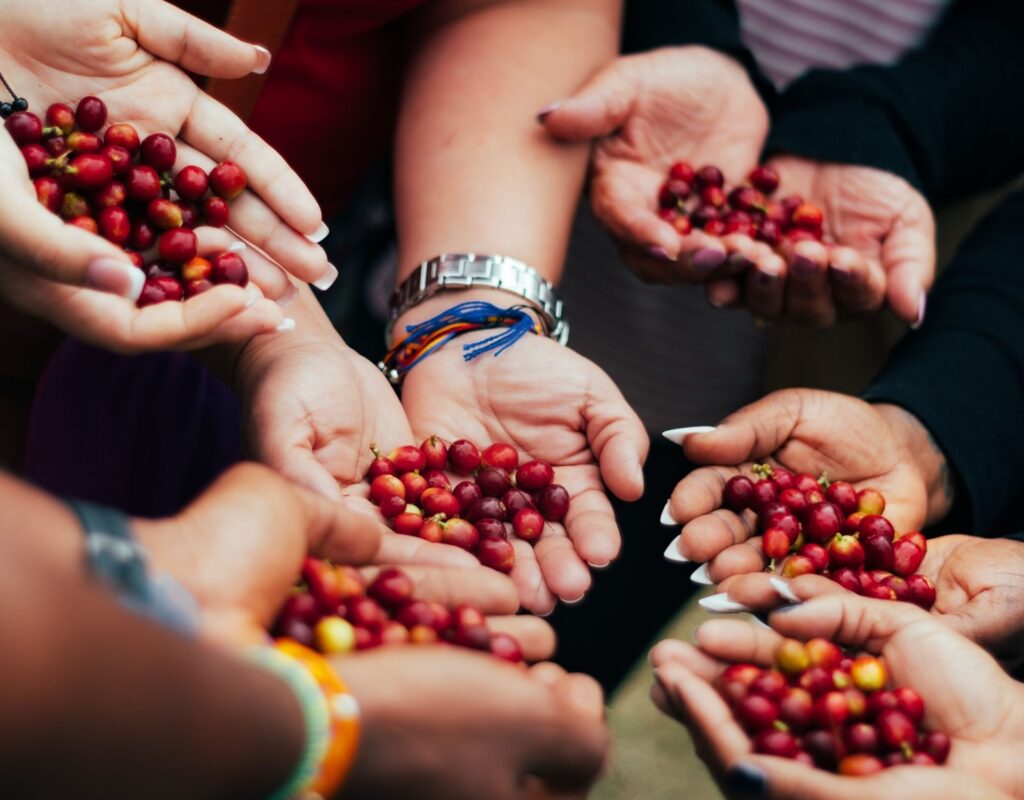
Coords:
pixel 145 434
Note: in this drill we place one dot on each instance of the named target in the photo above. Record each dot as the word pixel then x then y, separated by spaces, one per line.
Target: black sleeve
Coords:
pixel 650 24
pixel 946 117
pixel 962 373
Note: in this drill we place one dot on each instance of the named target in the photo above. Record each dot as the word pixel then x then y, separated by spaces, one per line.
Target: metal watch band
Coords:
pixel 470 270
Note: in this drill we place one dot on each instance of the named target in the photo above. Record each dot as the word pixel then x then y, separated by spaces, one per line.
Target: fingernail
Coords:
pixel 319 234
pixel 714 302
pixel 672 552
pixel 660 253
pixel 739 263
pixel 115 277
pixel 677 435
pixel 237 246
pixel 574 602
pixel 603 565
pixel 326 281
pixel 841 275
pixel 782 590
pixel 287 324
pixel 746 781
pixel 721 604
pixel 548 109
pixel 544 614
pixel 759 622
pixel 803 267
pixel 253 295
pixel 289 296
pixel 921 305
pixel 706 259
pixel 700 575
pixel 262 60
pixel 666 516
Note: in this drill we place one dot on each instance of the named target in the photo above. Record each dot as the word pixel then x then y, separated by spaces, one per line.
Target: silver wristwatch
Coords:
pixel 467 271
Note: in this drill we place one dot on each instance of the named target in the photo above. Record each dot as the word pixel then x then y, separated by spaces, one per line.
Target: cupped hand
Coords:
pixel 967 695
pixel 505 733
pixel 646 112
pixel 135 57
pixel 881 249
pixel 878 446
pixel 551 404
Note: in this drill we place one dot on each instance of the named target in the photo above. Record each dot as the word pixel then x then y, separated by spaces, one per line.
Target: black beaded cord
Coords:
pixel 16 104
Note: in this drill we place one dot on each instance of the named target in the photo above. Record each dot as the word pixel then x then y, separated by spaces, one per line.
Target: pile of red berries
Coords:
pixel 833 530
pixel 335 611
pixel 121 188
pixel 692 198
pixel 414 493
pixel 821 707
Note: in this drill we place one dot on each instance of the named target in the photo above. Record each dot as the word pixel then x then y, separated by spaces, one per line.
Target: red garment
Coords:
pixel 331 95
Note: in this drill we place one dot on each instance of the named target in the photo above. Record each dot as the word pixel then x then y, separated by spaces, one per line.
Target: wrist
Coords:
pixel 917 447
pixel 444 300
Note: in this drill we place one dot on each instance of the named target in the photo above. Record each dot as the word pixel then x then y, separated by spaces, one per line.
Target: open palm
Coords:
pixel 551 404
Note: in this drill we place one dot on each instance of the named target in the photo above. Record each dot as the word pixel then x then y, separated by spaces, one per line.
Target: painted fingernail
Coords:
pixel 319 234
pixel 666 516
pixel 115 277
pixel 677 435
pixel 262 60
pixel 782 590
pixel 700 575
pixel 672 552
pixel 841 275
pixel 706 259
pixel 237 246
pixel 737 263
pixel 660 253
pixel 721 604
pixel 803 267
pixel 746 781
pixel 326 281
pixel 287 324
pixel 922 304
pixel 548 109
pixel 289 296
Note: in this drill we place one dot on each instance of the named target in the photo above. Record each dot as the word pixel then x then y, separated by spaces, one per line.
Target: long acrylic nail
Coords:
pixel 548 109
pixel 326 281
pixel 700 575
pixel 746 781
pixel 672 552
pixel 782 590
pixel 237 246
pixel 666 516
pixel 721 604
pixel 922 304
pixel 660 253
pixel 803 267
pixel 319 234
pixel 677 435
pixel 262 60
pixel 287 324
pixel 706 259
pixel 115 277
pixel 756 619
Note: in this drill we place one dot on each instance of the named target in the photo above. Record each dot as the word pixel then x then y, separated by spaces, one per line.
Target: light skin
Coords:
pixel 134 56
pixel 966 693
pixel 694 104
pixel 871 446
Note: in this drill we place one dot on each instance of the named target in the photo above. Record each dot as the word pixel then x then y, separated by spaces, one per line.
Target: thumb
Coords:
pixel 618 439
pixel 339 532
pixel 598 109
pixel 753 432
pixel 908 258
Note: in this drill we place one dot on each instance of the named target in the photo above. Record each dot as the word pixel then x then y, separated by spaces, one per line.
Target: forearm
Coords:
pixel 474 171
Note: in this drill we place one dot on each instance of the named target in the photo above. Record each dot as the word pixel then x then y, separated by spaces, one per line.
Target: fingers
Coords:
pixel 490 591
pixel 338 532
pixel 755 431
pixel 908 258
pixel 697 661
pixel 808 296
pixel 621 201
pixel 178 37
pixel 397 548
pixel 765 287
pixel 617 437
pixel 760 591
pixel 598 109
pixel 729 639
pixel 535 636
pixel 700 492
pixel 590 523
pixel 564 572
pixel 269 277
pixel 707 538
pixel 857 284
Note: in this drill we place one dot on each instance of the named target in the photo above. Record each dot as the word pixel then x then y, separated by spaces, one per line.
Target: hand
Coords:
pixel 879 446
pixel 55 52
pixel 647 112
pixel 312 408
pixel 979 589
pixel 884 248
pixel 439 723
pixel 966 694
pixel 552 404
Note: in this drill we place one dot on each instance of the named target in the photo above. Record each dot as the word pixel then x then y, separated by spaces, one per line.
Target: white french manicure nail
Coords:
pixel 237 246
pixel 700 575
pixel 672 552
pixel 721 604
pixel 319 234
pixel 264 60
pixel 758 621
pixel 677 435
pixel 922 304
pixel 782 590
pixel 666 517
pixel 136 281
pixel 326 281
pixel 287 324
